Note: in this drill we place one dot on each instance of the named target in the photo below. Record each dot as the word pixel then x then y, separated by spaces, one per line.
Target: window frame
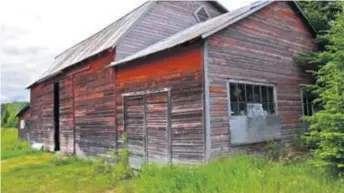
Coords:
pixel 309 102
pixel 254 83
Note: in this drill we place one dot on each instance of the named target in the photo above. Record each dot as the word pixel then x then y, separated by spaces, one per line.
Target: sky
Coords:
pixel 33 32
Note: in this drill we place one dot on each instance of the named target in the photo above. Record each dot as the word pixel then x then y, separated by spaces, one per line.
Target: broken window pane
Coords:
pixel 242 109
pixel 242 94
pixel 249 93
pixel 256 94
pixel 271 94
pixel 233 91
pixel 264 94
pixel 241 90
pixel 234 108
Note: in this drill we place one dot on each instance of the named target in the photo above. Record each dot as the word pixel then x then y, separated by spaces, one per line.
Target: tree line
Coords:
pixel 8 113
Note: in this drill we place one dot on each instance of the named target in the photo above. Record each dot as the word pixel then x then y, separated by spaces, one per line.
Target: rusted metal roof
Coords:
pixel 104 39
pixel 201 30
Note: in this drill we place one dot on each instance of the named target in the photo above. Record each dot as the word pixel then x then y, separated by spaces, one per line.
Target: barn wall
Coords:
pixel 86 104
pixel 66 114
pixel 94 108
pixel 181 71
pixel 36 111
pixel 258 48
pixel 164 19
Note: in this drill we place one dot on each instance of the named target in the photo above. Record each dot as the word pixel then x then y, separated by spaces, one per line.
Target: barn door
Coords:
pixel 157 127
pixel 147 124
pixel 134 128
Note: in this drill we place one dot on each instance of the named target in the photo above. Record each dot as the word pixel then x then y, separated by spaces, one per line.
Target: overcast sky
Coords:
pixel 33 32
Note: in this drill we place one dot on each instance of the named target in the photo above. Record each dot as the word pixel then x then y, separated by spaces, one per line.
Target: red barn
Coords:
pixel 185 81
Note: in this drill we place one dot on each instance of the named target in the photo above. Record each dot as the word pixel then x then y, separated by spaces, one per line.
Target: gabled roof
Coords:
pixel 205 29
pixel 102 40
pixel 23 110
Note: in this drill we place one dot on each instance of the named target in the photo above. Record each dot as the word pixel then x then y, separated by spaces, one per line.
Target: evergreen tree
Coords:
pixel 327 125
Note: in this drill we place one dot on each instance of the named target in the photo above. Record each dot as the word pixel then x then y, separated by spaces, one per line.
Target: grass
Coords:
pixel 11 147
pixel 29 171
pixel 246 174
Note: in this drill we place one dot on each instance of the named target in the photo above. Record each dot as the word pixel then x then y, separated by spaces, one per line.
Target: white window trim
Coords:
pixel 198 9
pixel 251 83
pixel 22 124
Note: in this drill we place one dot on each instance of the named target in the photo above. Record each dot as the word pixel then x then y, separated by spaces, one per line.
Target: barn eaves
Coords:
pixel 207 28
pixel 106 38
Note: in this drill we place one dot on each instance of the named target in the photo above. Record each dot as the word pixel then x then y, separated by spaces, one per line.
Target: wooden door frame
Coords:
pixel 168 126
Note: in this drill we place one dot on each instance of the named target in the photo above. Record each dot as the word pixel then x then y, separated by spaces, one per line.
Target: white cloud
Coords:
pixel 33 32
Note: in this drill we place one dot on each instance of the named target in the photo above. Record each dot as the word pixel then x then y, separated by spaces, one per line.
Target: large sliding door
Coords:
pixel 147 125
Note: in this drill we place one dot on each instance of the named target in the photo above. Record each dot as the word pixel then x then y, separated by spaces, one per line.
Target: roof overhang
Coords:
pixel 239 14
pixel 23 110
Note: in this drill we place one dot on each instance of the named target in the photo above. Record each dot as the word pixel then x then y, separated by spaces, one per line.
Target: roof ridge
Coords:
pixel 104 28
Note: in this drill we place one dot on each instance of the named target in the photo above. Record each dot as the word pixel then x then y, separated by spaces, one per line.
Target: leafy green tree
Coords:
pixel 327 125
pixel 8 113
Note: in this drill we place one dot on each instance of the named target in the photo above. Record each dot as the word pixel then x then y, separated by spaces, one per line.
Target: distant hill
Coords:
pixel 8 113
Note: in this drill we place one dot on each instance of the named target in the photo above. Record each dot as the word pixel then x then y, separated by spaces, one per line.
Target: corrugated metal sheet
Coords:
pixel 201 30
pixel 104 39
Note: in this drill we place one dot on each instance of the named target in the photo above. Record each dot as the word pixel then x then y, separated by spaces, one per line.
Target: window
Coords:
pixel 250 99
pixel 202 14
pixel 307 102
pixel 22 124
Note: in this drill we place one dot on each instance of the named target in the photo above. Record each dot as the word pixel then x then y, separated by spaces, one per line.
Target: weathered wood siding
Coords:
pixel 86 108
pixel 180 71
pixel 94 107
pixel 36 111
pixel 48 117
pixel 161 21
pixel 22 133
pixel 66 114
pixel 259 48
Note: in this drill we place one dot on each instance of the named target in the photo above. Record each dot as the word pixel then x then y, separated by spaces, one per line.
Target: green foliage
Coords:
pixel 45 172
pixel 320 14
pixel 8 113
pixel 242 174
pixel 327 125
pixel 11 147
pixel 115 166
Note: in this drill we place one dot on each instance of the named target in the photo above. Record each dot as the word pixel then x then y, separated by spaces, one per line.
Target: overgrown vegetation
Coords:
pixel 326 134
pixel 47 172
pixel 242 174
pixel 11 147
pixel 8 113
pixel 37 172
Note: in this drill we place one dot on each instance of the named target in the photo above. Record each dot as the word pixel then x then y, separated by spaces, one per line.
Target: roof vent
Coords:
pixel 201 14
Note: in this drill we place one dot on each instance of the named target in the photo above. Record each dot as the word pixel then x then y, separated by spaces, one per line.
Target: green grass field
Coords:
pixel 24 170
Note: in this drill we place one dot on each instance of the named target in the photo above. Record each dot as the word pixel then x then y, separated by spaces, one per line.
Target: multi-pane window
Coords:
pixel 307 102
pixel 244 95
